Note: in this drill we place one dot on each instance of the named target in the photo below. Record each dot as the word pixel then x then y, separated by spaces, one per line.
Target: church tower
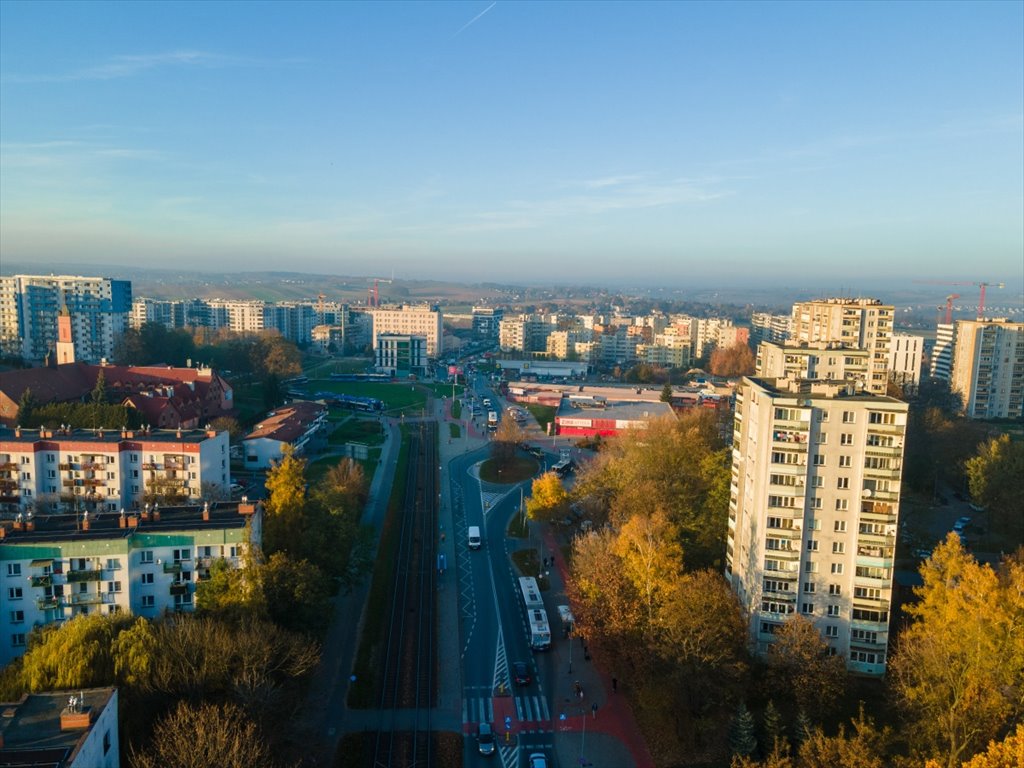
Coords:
pixel 65 344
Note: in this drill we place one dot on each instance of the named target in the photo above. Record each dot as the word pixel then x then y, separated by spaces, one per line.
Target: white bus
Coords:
pixel 492 420
pixel 536 616
pixel 540 632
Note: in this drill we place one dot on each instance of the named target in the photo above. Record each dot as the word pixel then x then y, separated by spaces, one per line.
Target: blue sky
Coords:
pixel 622 143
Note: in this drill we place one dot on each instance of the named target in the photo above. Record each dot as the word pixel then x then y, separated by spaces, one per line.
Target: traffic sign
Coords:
pixel 508 721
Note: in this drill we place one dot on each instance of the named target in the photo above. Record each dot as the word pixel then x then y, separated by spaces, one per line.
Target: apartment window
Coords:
pixel 819 460
pixel 135 458
pixel 18 639
pixel 835 589
pixel 811 566
pixel 814 525
pixel 842 505
pixel 846 438
pixel 837 567
pixel 881 418
pixel 838 547
pixel 809 587
pixel 860 614
pixel 869 593
pixel 772 585
pixel 843 483
pixel 840 526
pixel 135 474
pixel 774 565
pixel 148 601
pixel 822 415
pixel 863 636
pixel 770 606
pixel 769 627
pixel 807 609
pixel 147 578
pixel 17 617
pixel 113 586
pixel 51 474
pixel 182 554
pixel 816 502
pixel 833 610
pixel 110 475
pixel 849 417
pixel 146 556
pixel 831 630
pixel 845 461
pixel 777 544
pixel 14 593
pixel 113 564
pixel 817 481
pixel 812 545
pixel 14 569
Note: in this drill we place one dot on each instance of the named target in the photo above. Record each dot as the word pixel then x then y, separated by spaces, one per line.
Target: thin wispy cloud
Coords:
pixel 472 21
pixel 621 195
pixel 118 67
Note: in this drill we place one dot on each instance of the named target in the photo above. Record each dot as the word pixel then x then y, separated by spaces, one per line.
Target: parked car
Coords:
pixel 923 554
pixel 538 760
pixel 976 507
pixel 521 673
pixel 485 739
pixel 960 525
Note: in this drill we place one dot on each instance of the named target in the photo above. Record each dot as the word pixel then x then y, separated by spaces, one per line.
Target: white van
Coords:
pixel 474 537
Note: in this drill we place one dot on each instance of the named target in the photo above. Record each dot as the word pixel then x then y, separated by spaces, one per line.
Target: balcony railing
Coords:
pixel 179 589
pixel 172 567
pixel 86 598
pixel 42 581
pixel 45 603
pixel 5 465
pixel 88 574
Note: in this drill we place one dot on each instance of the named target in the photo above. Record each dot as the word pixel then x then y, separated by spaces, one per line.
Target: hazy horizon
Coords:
pixel 643 144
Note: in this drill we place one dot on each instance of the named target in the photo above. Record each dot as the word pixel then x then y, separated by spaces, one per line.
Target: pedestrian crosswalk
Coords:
pixel 532 713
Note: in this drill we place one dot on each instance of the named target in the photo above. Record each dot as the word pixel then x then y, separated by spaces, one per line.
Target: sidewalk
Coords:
pixel 608 737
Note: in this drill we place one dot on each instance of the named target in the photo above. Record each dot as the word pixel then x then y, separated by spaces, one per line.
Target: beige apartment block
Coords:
pixel 988 368
pixel 403 320
pixel 813 511
pixel 817 360
pixel 863 323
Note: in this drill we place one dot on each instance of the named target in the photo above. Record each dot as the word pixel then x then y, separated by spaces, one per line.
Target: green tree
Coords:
pixel 230 425
pixel 742 735
pixel 737 360
pixel 26 407
pixel 666 392
pixel 284 524
pixel 548 498
pixel 507 438
pixel 774 724
pixel 803 727
pixel 799 662
pixel 958 666
pixel 996 477
pixel 99 391
pixel 297 594
pixel 1008 753
pixel 76 654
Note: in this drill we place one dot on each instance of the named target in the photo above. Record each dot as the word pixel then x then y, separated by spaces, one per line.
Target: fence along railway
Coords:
pixel 407 687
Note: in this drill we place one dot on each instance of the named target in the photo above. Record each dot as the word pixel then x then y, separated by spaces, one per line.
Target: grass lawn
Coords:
pixel 318 366
pixel 457 409
pixel 406 397
pixel 367 431
pixel 444 390
pixel 454 431
pixel 544 414
pixel 317 469
pixel 520 468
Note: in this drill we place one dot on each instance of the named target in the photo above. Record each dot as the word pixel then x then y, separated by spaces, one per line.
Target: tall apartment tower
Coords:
pixel 988 368
pixel 99 308
pixel 862 323
pixel 942 351
pixel 813 511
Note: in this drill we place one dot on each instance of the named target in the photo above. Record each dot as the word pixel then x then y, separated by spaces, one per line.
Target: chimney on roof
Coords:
pixel 206 511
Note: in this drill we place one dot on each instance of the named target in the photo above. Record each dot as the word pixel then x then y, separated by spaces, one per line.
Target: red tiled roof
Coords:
pixel 288 423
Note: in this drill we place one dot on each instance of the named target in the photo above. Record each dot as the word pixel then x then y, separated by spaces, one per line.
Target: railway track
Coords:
pixel 407 689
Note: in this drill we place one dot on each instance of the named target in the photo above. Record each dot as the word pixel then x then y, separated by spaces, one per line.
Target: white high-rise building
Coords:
pixel 404 320
pixel 30 304
pixel 813 511
pixel 819 360
pixel 864 323
pixel 905 360
pixel 988 368
pixel 942 353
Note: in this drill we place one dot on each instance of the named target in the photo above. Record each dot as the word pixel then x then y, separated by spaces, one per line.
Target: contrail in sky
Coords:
pixel 473 21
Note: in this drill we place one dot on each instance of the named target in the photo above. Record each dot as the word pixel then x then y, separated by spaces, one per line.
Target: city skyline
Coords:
pixel 489 141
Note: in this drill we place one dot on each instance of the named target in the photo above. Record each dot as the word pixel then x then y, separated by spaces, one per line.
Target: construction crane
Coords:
pixel 373 297
pixel 982 285
pixel 949 307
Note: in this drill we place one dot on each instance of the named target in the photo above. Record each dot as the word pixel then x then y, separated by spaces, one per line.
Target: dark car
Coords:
pixel 521 673
pixel 485 739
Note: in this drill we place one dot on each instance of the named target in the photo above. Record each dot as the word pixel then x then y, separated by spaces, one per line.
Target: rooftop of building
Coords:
pixel 36 731
pixel 817 346
pixel 289 422
pixel 102 437
pixel 599 408
pixel 822 389
pixel 860 301
pixel 34 529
